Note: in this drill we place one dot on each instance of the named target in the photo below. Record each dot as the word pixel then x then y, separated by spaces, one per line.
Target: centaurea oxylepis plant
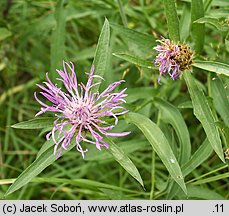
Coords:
pixel 80 111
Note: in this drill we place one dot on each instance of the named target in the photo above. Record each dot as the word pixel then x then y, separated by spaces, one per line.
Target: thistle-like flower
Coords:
pixel 172 58
pixel 80 111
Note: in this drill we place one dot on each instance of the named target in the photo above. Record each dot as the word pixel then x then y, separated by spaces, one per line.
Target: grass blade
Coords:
pixel 58 39
pixel 172 115
pixel 204 114
pixel 160 145
pixel 172 20
pixel 101 57
pixel 198 31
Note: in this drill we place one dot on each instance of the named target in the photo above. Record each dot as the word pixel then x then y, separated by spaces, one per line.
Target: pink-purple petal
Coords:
pixel 82 109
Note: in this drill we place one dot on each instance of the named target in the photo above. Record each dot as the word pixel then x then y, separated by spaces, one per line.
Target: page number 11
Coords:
pixel 218 208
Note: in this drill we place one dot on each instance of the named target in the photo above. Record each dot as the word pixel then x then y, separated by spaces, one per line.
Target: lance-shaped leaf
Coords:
pixel 45 159
pixel 172 20
pixel 58 38
pixel 135 60
pixel 36 123
pixel 216 67
pixel 160 145
pixel 204 114
pixel 101 57
pixel 198 32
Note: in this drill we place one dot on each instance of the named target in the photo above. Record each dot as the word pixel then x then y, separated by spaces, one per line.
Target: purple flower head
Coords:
pixel 80 111
pixel 172 58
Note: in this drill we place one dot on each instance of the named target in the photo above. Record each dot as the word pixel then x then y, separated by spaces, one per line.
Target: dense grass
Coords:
pixel 190 114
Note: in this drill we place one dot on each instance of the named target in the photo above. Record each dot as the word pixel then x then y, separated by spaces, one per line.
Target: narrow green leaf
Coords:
pixel 141 41
pixel 84 183
pixel 43 161
pixel 198 31
pixel 204 114
pixel 212 179
pixel 160 145
pixel 101 57
pixel 48 144
pixel 200 155
pixel 127 147
pixel 225 132
pixel 4 33
pixel 135 60
pixel 213 21
pixel 216 67
pixel 119 155
pixel 172 20
pixel 58 38
pixel 36 123
pixel 172 115
pixel 185 22
pixel 198 192
pixel 113 194
pixel 220 99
